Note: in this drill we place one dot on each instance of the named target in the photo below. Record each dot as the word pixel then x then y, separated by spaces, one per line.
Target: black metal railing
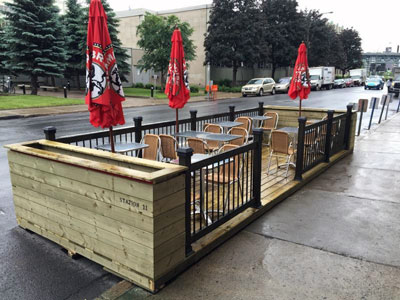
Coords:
pixel 136 132
pixel 220 187
pixel 318 142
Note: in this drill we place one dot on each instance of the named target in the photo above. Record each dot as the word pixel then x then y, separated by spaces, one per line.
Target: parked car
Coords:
pixel 349 82
pixel 259 86
pixel 374 83
pixel 283 85
pixel 339 83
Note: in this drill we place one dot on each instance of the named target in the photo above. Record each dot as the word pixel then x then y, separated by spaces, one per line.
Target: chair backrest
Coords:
pixel 239 131
pixel 246 122
pixel 280 141
pixel 198 145
pixel 152 151
pixel 168 146
pixel 231 169
pixel 271 123
pixel 213 128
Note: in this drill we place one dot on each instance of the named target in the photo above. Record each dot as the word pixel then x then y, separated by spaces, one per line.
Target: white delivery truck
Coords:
pixel 359 76
pixel 322 77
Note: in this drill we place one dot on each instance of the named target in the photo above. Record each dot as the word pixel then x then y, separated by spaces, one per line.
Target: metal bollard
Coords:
pixel 152 91
pixel 23 89
pixel 69 85
pixel 65 92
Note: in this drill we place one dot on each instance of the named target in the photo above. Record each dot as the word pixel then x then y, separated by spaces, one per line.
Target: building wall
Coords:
pixel 196 16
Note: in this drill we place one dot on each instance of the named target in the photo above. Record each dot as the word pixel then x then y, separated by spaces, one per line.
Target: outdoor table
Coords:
pixel 219 137
pixel 228 124
pixel 259 120
pixel 123 147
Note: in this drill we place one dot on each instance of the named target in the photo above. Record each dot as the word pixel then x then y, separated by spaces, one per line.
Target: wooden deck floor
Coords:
pixel 217 202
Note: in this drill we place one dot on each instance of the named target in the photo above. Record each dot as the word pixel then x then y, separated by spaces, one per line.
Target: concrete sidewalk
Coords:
pixel 336 239
pixel 128 103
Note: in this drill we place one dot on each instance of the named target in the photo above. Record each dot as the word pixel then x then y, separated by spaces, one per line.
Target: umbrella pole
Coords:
pixel 300 108
pixel 176 125
pixel 112 140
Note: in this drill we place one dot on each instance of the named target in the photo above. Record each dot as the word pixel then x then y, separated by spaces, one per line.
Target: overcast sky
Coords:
pixel 378 22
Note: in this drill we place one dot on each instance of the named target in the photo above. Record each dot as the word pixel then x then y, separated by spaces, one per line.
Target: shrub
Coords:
pixel 139 85
pixel 194 89
pixel 148 86
pixel 224 82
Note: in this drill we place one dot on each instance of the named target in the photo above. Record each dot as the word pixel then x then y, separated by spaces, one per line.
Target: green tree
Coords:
pixel 351 42
pixel 232 38
pixel 233 35
pixel 155 34
pixel 121 54
pixel 75 39
pixel 34 35
pixel 280 40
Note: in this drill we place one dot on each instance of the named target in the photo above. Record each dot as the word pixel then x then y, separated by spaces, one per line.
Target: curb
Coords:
pixel 17 116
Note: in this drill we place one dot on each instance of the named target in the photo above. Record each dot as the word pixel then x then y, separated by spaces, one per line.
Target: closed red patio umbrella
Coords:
pixel 104 92
pixel 177 87
pixel 300 84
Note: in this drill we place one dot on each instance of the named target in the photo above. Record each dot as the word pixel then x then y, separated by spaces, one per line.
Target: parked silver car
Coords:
pixel 259 86
pixel 283 85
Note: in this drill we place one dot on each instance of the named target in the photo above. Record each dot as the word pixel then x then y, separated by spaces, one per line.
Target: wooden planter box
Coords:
pixel 124 213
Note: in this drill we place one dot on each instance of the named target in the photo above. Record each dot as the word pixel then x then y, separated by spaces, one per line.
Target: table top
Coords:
pixel 219 137
pixel 261 118
pixel 289 129
pixel 229 123
pixel 123 147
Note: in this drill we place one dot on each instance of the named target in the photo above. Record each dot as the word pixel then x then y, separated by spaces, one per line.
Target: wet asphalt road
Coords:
pixel 34 268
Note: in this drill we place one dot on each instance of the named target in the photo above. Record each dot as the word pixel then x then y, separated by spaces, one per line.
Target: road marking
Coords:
pixel 2 212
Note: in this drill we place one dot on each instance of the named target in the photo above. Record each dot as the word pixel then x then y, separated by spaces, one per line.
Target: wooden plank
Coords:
pixel 157 192
pixel 78 222
pixel 128 273
pixel 77 210
pixel 132 203
pixel 50 223
pixel 169 262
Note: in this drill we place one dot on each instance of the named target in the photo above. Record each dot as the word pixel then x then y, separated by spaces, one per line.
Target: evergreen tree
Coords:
pixel 121 54
pixel 155 34
pixel 232 38
pixel 280 40
pixel 3 47
pixel 75 40
pixel 34 35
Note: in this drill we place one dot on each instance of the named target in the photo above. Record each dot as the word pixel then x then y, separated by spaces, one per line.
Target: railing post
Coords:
pixel 193 119
pixel 348 127
pixel 185 156
pixel 300 148
pixel 257 162
pixel 138 128
pixel 260 108
pixel 328 137
pixel 50 133
pixel 232 113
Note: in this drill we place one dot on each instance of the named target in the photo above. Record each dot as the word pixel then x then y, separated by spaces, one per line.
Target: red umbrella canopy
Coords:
pixel 104 92
pixel 177 88
pixel 300 84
